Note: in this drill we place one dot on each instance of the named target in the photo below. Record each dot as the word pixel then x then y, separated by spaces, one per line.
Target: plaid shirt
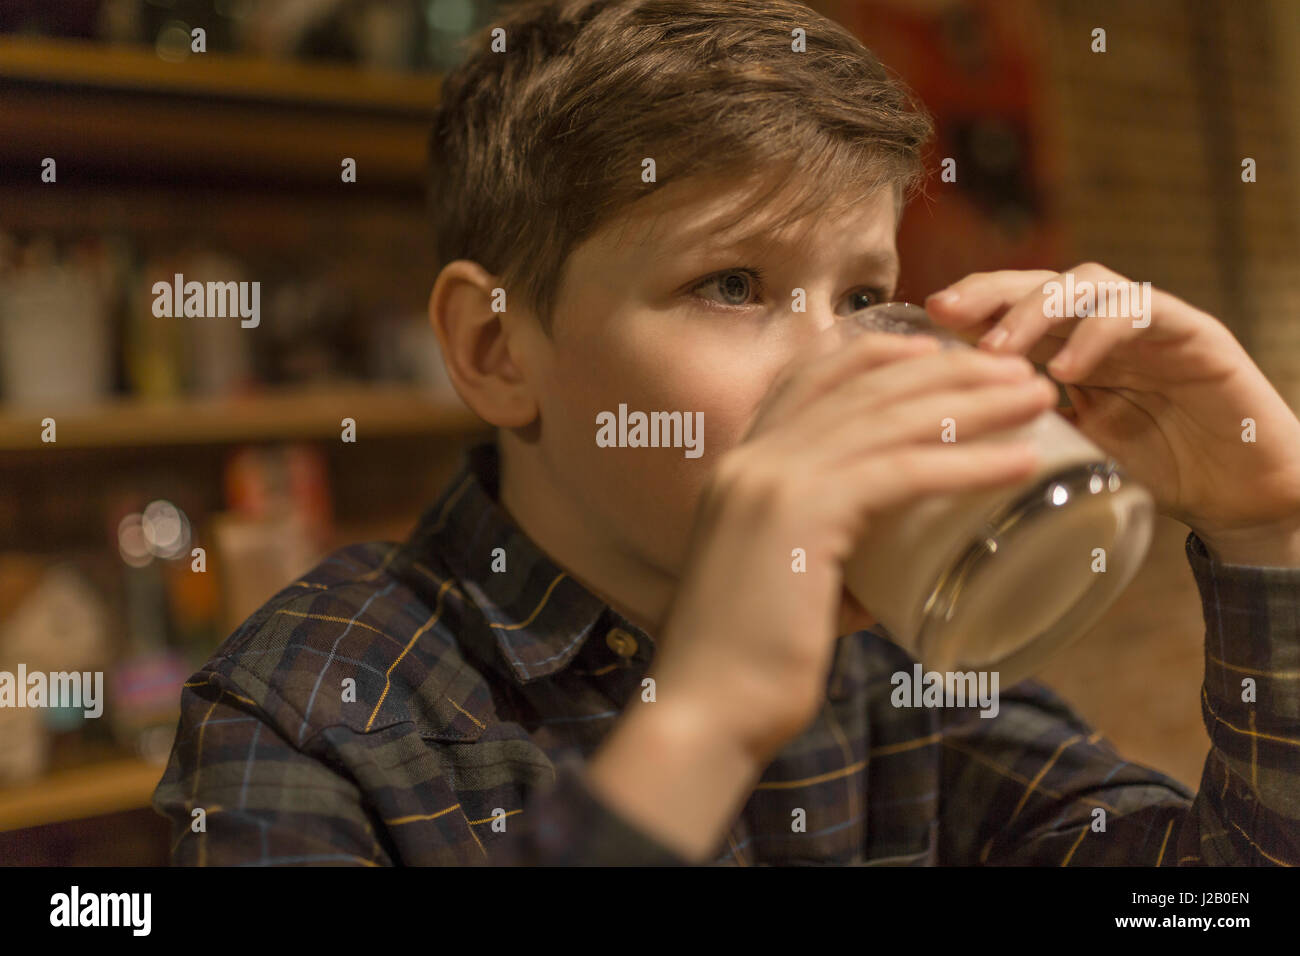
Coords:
pixel 405 704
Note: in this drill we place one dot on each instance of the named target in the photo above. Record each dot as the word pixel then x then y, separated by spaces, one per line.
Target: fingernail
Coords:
pixel 946 297
pixel 994 338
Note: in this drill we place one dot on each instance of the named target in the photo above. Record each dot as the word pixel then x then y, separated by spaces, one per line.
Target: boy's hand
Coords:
pixel 1165 394
pixel 846 431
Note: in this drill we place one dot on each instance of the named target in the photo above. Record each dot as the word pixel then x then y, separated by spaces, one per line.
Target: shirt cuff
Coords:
pixel 1252 631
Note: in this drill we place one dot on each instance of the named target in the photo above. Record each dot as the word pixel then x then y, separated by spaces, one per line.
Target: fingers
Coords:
pixel 950 369
pixel 962 414
pixel 828 365
pixel 1094 338
pixel 907 399
pixel 865 351
pixel 1025 323
pixel 913 471
pixel 1045 308
pixel 1091 309
pixel 983 296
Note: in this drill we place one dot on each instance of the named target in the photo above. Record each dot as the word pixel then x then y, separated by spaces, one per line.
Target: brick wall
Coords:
pixel 1149 141
pixel 1150 137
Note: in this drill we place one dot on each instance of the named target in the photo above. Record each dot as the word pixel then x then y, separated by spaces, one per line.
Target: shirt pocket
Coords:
pixel 456 712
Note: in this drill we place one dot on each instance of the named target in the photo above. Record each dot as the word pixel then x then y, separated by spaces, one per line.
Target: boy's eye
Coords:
pixel 865 299
pixel 735 285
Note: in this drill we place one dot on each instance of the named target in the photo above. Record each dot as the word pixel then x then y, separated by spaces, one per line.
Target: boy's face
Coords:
pixel 659 312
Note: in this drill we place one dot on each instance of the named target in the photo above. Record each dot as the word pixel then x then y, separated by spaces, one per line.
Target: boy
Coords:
pixel 591 654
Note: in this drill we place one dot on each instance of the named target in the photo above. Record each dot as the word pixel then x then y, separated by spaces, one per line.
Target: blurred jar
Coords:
pixel 54 337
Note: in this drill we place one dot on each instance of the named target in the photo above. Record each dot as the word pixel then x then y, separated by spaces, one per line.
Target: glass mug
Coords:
pixel 999 579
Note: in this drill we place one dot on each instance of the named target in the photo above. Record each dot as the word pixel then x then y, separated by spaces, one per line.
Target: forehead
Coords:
pixel 702 216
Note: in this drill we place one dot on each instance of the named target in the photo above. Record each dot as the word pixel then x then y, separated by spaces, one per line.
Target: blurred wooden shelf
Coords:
pixel 215 75
pixel 289 414
pixel 108 787
pixel 213 116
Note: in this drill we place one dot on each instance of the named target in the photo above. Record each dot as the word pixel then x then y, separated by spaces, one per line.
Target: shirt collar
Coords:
pixel 538 616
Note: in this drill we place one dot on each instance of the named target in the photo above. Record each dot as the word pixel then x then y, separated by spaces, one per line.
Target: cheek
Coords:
pixel 724 379
pixel 728 388
pixel 582 382
pixel 692 376
pixel 723 376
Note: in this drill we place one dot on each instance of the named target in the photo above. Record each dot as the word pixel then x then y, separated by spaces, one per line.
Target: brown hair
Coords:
pixel 534 148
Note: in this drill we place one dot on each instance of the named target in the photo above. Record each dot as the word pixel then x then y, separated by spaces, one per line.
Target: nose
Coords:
pixel 818 318
pixel 809 327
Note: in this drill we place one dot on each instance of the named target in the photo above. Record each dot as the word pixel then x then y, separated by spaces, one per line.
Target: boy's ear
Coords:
pixel 479 346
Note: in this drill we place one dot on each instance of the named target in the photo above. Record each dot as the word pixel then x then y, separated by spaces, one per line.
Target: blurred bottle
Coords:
pixel 153 345
pixel 55 342
pixel 217 351
pixel 277 527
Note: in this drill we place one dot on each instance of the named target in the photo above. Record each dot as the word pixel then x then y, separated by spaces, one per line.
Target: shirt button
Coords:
pixel 621 642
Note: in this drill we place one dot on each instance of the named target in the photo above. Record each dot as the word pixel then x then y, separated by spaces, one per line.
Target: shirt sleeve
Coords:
pixel 266 802
pixel 238 794
pixel 1037 786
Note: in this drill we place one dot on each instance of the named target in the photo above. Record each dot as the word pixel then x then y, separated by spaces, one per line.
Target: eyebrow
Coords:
pixel 880 259
pixel 885 259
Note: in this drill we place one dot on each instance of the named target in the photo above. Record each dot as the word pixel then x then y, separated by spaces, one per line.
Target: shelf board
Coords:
pixel 125 113
pixel 215 75
pixel 75 793
pixel 289 414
